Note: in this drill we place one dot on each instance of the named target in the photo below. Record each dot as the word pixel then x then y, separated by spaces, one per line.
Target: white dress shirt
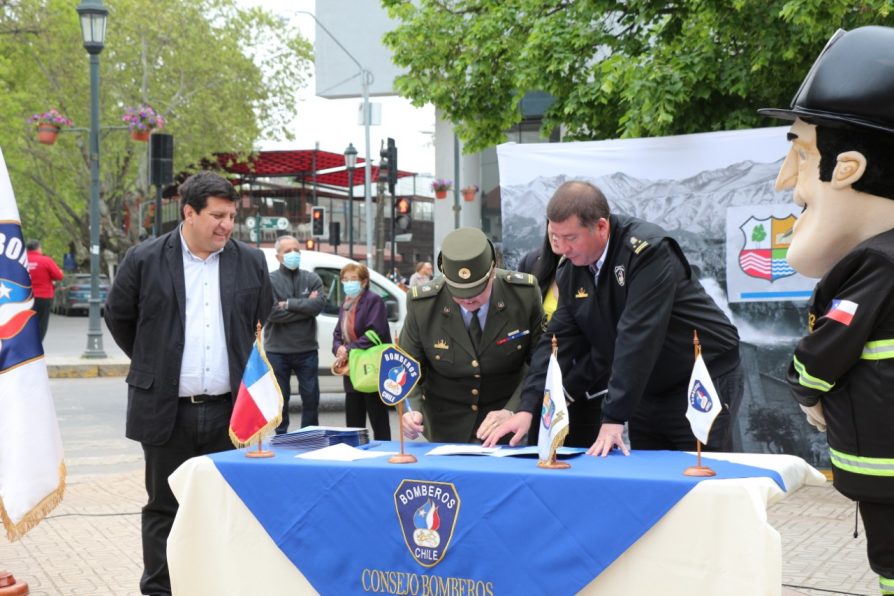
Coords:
pixel 205 368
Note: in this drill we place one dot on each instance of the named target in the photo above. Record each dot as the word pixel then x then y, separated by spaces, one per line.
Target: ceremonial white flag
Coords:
pixel 32 471
pixel 704 403
pixel 554 414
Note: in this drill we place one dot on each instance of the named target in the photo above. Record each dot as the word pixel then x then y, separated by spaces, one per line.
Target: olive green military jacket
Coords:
pixel 459 386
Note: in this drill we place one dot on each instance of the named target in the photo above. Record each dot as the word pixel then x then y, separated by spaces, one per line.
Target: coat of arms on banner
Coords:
pixel 766 246
pixel 427 512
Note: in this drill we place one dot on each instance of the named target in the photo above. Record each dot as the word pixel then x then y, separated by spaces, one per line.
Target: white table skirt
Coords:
pixel 716 540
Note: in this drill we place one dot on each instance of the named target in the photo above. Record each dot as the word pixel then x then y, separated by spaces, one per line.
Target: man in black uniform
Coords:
pixel 472 329
pixel 841 167
pixel 627 295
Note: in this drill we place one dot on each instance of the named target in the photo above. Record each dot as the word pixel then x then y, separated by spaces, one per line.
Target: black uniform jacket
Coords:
pixel 847 363
pixel 636 322
pixel 145 313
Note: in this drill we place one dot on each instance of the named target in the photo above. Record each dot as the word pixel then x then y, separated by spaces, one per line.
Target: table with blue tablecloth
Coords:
pixel 479 525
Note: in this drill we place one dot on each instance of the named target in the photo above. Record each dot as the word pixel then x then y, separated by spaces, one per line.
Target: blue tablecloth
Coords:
pixel 503 525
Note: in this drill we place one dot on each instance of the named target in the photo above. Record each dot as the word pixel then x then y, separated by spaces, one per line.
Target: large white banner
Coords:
pixel 686 184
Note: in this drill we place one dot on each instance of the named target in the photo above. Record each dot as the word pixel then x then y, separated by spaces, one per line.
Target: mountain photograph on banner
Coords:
pixel 707 190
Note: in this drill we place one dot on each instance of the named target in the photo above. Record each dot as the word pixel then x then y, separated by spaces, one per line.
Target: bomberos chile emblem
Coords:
pixel 398 375
pixel 427 512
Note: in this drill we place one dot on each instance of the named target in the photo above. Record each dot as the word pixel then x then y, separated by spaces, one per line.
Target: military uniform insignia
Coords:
pixel 464 273
pixel 811 321
pixel 581 293
pixel 501 305
pixel 620 275
pixel 637 245
pixel 427 512
pixel 441 345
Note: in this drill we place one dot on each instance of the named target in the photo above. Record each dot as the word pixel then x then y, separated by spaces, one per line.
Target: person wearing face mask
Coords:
pixel 290 335
pixel 361 311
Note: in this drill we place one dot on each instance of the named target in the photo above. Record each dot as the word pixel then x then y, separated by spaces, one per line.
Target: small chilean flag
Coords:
pixel 842 311
pixel 258 406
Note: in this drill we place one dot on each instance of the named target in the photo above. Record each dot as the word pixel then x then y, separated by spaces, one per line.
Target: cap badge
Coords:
pixel 464 273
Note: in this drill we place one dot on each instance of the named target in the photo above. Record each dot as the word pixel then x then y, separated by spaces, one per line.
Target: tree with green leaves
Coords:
pixel 221 75
pixel 633 68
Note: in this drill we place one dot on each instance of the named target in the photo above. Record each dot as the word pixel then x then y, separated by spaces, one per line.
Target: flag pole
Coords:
pixel 260 452
pixel 552 463
pixel 698 469
pixel 401 458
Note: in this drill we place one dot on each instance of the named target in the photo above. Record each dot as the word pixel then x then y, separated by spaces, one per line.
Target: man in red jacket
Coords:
pixel 44 272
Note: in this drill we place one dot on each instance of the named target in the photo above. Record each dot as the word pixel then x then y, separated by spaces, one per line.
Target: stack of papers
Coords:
pixel 317 437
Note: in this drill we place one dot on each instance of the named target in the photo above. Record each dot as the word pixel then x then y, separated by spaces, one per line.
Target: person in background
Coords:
pixel 290 335
pixel 362 310
pixel 423 274
pixel 584 411
pixel 184 307
pixel 44 272
pixel 629 298
pixel 472 329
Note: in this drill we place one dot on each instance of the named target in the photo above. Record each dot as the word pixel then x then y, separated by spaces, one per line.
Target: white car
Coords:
pixel 328 267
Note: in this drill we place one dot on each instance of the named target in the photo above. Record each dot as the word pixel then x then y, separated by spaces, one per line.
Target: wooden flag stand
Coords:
pixel 552 463
pixel 698 469
pixel 259 452
pixel 401 458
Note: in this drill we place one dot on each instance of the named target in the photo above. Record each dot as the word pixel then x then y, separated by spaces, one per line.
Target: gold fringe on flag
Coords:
pixel 38 513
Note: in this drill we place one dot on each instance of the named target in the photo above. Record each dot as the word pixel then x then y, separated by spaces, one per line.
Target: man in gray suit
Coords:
pixel 184 307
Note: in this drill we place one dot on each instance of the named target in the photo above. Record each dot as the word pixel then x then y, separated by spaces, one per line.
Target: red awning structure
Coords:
pixel 339 178
pixel 306 165
pixel 272 164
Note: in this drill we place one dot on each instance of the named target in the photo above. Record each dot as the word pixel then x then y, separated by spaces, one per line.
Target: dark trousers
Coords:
pixel 878 521
pixel 305 366
pixel 200 429
pixel 583 423
pixel 42 308
pixel 659 422
pixel 360 405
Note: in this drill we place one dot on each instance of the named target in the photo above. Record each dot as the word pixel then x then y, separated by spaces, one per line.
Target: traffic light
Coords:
pixel 310 244
pixel 392 165
pixel 404 216
pixel 318 220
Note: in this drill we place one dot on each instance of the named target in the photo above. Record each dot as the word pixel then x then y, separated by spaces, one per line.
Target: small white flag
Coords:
pixel 554 414
pixel 703 401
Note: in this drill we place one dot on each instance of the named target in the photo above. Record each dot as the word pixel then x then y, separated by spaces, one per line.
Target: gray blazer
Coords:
pixel 145 313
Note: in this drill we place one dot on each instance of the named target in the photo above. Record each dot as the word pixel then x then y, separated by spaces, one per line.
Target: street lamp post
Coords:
pixel 350 164
pixel 366 79
pixel 93 17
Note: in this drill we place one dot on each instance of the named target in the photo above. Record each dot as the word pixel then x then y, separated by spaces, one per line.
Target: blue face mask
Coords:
pixel 292 260
pixel 351 288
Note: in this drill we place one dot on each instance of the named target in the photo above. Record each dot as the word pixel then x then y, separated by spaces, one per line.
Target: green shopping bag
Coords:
pixel 363 365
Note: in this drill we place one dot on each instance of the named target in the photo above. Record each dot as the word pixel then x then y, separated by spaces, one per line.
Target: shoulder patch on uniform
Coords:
pixel 638 245
pixel 428 290
pixel 521 279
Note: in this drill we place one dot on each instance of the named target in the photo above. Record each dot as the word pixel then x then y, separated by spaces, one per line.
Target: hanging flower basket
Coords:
pixel 469 192
pixel 140 135
pixel 48 125
pixel 142 121
pixel 47 134
pixel 440 186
